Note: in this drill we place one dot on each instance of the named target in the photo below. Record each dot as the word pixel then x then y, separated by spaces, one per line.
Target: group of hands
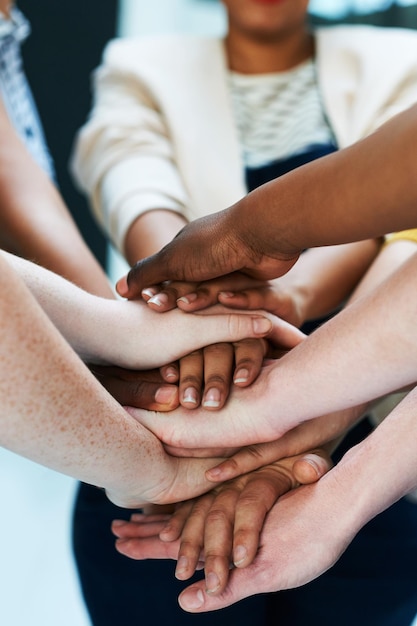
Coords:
pixel 220 530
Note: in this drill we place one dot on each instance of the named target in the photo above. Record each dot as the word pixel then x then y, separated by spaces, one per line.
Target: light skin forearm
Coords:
pixel 122 333
pixel 54 412
pixel 323 278
pixel 35 223
pixel 383 468
pixel 388 260
pixel 364 352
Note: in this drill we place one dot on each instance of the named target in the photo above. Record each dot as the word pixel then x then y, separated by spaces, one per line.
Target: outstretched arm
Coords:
pixel 129 334
pixel 326 202
pixel 35 223
pixel 54 412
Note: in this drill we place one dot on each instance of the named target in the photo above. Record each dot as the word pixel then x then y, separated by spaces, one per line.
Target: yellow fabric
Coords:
pixel 410 235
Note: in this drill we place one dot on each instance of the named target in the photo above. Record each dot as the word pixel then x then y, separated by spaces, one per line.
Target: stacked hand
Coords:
pixel 224 241
pixel 221 527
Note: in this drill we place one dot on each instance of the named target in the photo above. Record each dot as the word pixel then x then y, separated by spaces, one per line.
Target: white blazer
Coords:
pixel 161 133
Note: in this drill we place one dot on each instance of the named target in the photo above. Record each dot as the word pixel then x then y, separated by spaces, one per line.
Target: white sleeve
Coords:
pixel 123 157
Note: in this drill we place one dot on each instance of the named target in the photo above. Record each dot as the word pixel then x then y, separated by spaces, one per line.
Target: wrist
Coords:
pixel 380 470
pixel 105 330
pixel 296 298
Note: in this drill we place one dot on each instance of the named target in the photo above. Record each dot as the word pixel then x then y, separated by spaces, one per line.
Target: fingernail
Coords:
pixel 212 583
pixel 241 376
pixel 191 599
pixel 190 396
pixel 261 325
pixel 182 566
pixel 214 472
pixel 147 293
pixel 212 398
pixel 159 299
pixel 118 522
pixel 312 460
pixel 226 294
pixel 167 531
pixel 165 395
pixel 190 297
pixel 122 286
pixel 240 555
pixel 171 372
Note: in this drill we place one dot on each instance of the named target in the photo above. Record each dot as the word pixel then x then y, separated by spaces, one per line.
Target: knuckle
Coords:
pixel 239 325
pixel 217 380
pixel 255 451
pixel 192 356
pixel 217 516
pixel 189 547
pixel 217 349
pixel 192 380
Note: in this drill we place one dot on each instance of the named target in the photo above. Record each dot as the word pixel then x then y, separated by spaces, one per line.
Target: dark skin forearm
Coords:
pixel 361 192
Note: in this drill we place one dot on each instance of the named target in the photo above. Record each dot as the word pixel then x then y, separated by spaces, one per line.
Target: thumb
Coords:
pixel 194 599
pixel 146 272
pixel 309 468
pixel 234 327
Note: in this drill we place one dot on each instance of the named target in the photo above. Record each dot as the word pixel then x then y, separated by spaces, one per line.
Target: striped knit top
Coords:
pixel 278 115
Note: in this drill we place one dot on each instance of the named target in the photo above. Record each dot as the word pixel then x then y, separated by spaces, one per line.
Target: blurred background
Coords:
pixel 38 584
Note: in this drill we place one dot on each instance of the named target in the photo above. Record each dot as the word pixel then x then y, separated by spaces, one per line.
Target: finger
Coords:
pixel 145 518
pixel 170 373
pixel 218 539
pixel 195 599
pixel 249 356
pixel 197 300
pixel 260 298
pixel 245 460
pixel 218 363
pixel 131 285
pixel 284 334
pixel 114 371
pixel 167 264
pixel 191 379
pixel 130 530
pixel 201 329
pixel 309 468
pixel 192 537
pixel 257 498
pixel 147 548
pixel 200 453
pixel 297 441
pixel 137 391
pixel 166 297
pixel 153 511
pixel 149 292
pixel 176 522
pixel 206 294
